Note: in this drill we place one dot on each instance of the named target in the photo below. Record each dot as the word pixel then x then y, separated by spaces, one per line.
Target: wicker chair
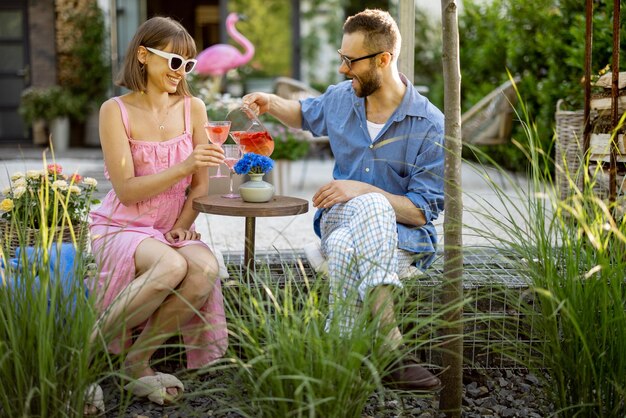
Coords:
pixel 489 121
pixel 290 88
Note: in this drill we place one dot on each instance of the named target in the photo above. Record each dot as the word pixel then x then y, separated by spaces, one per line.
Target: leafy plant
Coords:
pixel 218 105
pixel 287 364
pixel 267 27
pixel 48 103
pixel 46 320
pixel 572 251
pixel 289 144
pixel 84 68
pixel 541 41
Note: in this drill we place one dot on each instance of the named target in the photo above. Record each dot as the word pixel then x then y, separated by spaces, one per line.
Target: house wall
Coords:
pixel 41 29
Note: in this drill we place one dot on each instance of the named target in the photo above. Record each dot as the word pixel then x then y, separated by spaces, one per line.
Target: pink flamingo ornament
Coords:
pixel 218 59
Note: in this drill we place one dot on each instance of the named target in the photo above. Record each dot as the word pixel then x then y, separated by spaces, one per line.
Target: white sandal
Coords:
pixel 94 396
pixel 155 388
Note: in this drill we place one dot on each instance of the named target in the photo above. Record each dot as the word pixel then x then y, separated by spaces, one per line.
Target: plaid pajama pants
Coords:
pixel 360 243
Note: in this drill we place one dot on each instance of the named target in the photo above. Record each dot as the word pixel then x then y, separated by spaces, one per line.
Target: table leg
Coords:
pixel 248 254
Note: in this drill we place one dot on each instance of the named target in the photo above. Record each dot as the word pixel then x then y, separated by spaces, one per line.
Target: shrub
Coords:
pixel 49 103
pixel 289 144
pixel 572 252
pixel 541 41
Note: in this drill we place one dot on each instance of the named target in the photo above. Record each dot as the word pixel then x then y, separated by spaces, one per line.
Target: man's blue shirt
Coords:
pixel 406 158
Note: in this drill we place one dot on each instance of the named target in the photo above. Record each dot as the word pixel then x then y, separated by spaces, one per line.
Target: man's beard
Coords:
pixel 368 84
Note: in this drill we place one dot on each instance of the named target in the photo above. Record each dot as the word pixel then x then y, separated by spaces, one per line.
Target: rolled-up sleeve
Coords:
pixel 426 185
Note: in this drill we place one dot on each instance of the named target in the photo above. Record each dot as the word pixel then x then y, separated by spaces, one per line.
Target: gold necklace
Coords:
pixel 161 124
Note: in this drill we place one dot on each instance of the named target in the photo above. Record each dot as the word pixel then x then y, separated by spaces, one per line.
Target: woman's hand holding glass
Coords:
pixel 203 156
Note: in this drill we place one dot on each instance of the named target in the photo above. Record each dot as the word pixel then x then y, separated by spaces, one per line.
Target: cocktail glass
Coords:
pixel 217 131
pixel 232 154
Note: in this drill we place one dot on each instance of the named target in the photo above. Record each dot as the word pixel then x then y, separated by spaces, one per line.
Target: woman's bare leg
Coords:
pixel 176 310
pixel 160 269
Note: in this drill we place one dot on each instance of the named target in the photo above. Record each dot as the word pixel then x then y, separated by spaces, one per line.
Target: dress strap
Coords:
pixel 187 105
pixel 125 120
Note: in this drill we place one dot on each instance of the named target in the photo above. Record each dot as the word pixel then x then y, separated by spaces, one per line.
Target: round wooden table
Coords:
pixel 278 206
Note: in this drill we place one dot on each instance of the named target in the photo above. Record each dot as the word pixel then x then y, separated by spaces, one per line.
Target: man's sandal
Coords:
pixel 155 388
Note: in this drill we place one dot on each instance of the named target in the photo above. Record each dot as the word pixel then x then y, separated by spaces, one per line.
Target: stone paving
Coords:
pixel 302 180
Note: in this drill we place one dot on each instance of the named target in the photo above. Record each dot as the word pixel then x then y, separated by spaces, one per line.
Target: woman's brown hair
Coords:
pixel 158 33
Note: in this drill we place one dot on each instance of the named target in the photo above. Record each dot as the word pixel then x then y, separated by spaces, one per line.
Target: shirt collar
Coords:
pixel 412 104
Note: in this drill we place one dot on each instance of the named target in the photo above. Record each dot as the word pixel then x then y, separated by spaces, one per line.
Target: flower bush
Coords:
pixel 289 143
pixel 47 196
pixel 252 163
pixel 218 105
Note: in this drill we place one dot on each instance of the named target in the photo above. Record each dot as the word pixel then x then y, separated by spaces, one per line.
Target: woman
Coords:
pixel 157 277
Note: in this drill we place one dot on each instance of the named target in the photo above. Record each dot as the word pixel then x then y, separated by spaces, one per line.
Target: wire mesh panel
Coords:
pixel 496 333
pixel 281 266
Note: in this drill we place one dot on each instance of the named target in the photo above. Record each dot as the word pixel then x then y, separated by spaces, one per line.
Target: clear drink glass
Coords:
pixel 232 154
pixel 217 131
pixel 249 132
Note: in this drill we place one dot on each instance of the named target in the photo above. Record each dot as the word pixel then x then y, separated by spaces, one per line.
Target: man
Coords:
pixel 375 217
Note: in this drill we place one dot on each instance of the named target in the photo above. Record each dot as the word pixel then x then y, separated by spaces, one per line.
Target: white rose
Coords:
pixel 75 189
pixel 90 181
pixel 17 175
pixel 18 192
pixel 33 174
pixel 19 182
pixel 6 191
pixel 59 184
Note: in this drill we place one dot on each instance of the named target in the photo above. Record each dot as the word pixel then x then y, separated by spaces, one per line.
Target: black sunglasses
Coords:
pixel 349 61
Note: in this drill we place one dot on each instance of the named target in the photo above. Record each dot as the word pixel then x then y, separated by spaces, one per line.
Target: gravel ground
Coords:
pixel 495 393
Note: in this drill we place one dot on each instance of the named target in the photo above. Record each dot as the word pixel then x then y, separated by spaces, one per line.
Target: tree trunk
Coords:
pixel 452 378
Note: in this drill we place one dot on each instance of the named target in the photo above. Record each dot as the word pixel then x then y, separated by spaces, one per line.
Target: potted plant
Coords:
pixel 45 199
pixel 53 106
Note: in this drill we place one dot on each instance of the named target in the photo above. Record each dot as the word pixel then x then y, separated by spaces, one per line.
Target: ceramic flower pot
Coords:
pixel 256 190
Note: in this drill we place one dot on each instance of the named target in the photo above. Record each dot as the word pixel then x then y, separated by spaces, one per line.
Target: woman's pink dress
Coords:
pixel 116 231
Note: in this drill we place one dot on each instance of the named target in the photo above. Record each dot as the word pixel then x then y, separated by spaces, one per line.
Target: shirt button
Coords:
pixel 371 146
pixel 367 170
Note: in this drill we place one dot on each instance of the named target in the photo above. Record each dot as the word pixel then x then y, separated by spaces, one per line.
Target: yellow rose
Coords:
pixel 6 205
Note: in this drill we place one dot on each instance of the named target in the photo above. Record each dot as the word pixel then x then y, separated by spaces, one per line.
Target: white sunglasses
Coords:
pixel 175 61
